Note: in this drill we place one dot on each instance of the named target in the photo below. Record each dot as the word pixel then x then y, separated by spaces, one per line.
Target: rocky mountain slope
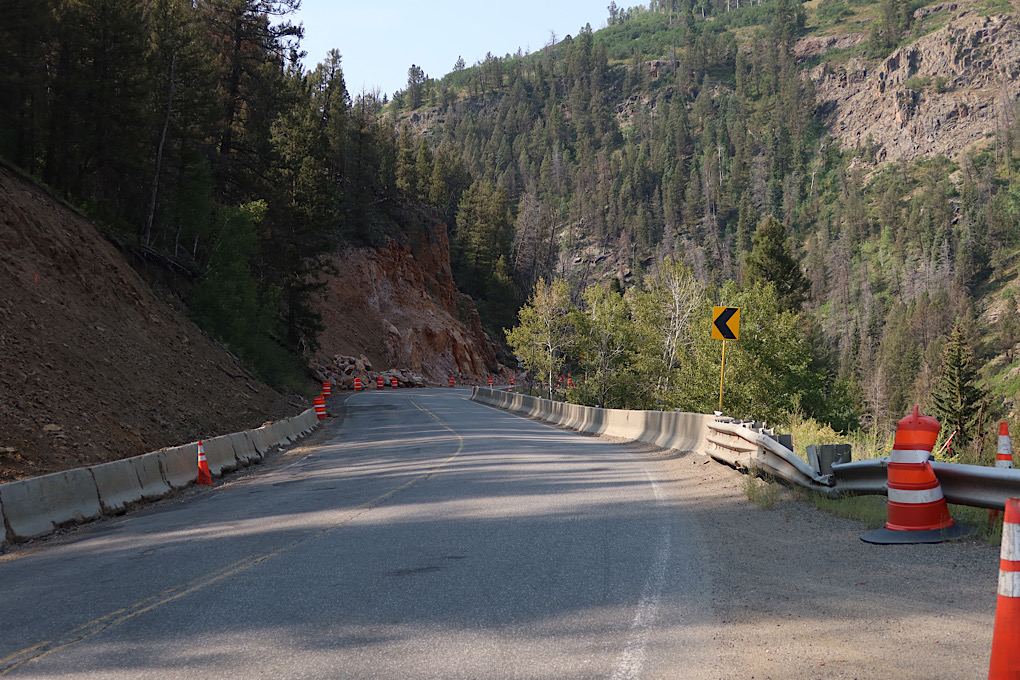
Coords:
pixel 939 94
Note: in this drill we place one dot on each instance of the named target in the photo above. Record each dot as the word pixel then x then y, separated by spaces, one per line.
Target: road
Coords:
pixel 426 537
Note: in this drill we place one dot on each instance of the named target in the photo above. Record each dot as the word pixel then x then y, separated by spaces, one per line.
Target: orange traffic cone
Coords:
pixel 1004 455
pixel 917 509
pixel 357 384
pixel 325 390
pixel 490 382
pixel 320 407
pixel 1005 663
pixel 204 475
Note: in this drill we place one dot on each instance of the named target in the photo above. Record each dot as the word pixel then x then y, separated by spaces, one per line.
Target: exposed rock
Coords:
pixel 937 95
pixel 399 309
pixel 816 45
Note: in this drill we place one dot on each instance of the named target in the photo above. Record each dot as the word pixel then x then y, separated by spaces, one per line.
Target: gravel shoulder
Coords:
pixel 798 595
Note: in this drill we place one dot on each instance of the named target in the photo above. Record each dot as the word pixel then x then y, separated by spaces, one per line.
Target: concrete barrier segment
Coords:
pixel 117 484
pixel 150 475
pixel 179 465
pixel 261 438
pixel 278 434
pixel 23 503
pixel 219 453
pixel 34 507
pixel 3 527
pixel 244 449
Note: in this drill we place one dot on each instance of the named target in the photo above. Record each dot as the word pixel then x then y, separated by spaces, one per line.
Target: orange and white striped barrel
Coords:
pixel 511 383
pixel 357 384
pixel 326 389
pixel 916 502
pixel 918 512
pixel 1004 455
pixel 451 381
pixel 393 382
pixel 490 382
pixel 380 383
pixel 320 407
pixel 1005 663
pixel 204 475
pixel 570 381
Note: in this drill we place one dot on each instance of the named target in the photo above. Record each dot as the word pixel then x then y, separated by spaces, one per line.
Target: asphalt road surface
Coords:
pixel 426 537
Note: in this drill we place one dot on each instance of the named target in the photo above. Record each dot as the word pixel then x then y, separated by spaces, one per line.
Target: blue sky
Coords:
pixel 379 42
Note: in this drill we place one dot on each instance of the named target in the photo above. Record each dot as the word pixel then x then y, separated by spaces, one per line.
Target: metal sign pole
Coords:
pixel 722 373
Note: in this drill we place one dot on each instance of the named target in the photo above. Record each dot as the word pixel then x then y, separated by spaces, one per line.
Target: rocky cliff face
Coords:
pixel 941 94
pixel 399 307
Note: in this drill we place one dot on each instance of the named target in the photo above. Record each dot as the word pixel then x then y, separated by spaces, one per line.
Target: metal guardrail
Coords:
pixel 743 447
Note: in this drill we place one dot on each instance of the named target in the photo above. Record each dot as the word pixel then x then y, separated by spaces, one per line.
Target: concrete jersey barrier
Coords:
pixel 667 429
pixel 34 507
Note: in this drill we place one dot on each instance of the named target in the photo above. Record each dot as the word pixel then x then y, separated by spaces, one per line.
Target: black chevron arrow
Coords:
pixel 723 319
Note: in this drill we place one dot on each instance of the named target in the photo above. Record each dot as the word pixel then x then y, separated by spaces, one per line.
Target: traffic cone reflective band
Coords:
pixel 325 390
pixel 320 407
pixel 204 476
pixel 357 384
pixel 393 382
pixel 917 509
pixel 1005 663
pixel 1004 456
pixel 379 383
pixel 451 381
pixel 490 381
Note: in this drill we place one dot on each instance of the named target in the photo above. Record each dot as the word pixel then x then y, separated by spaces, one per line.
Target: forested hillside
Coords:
pixel 697 133
pixel 791 159
pixel 196 138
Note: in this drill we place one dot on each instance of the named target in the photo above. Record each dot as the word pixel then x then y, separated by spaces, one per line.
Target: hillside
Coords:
pixel 95 367
pixel 943 93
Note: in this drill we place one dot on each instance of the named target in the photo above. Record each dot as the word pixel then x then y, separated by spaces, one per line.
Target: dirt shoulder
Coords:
pixel 799 596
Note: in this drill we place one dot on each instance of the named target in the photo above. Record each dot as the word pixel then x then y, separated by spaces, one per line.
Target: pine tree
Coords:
pixel 955 399
pixel 770 261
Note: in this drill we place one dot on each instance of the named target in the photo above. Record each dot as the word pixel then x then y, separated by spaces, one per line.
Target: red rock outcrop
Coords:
pixel 400 308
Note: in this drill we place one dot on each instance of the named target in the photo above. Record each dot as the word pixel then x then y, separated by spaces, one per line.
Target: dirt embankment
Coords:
pixel 93 367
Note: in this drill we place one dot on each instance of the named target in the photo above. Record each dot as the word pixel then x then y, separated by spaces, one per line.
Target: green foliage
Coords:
pixel 544 331
pixel 833 11
pixel 770 262
pixel 604 344
pixel 955 399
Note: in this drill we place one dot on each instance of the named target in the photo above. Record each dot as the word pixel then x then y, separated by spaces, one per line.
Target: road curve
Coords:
pixel 431 537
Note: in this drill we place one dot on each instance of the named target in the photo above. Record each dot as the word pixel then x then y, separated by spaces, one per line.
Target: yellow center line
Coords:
pixel 119 616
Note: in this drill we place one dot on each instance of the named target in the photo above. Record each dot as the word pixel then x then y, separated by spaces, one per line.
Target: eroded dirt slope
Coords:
pixel 93 367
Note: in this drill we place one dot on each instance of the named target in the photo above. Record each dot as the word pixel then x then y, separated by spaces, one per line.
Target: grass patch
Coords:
pixel 761 488
pixel 873 511
pixel 868 509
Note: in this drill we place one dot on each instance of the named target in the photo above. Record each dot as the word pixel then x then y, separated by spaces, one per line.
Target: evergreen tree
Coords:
pixel 770 262
pixel 955 399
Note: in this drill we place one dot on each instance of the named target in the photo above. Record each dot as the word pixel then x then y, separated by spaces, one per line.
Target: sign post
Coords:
pixel 725 326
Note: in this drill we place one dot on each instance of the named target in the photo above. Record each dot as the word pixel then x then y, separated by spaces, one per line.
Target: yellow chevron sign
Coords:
pixel 725 323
